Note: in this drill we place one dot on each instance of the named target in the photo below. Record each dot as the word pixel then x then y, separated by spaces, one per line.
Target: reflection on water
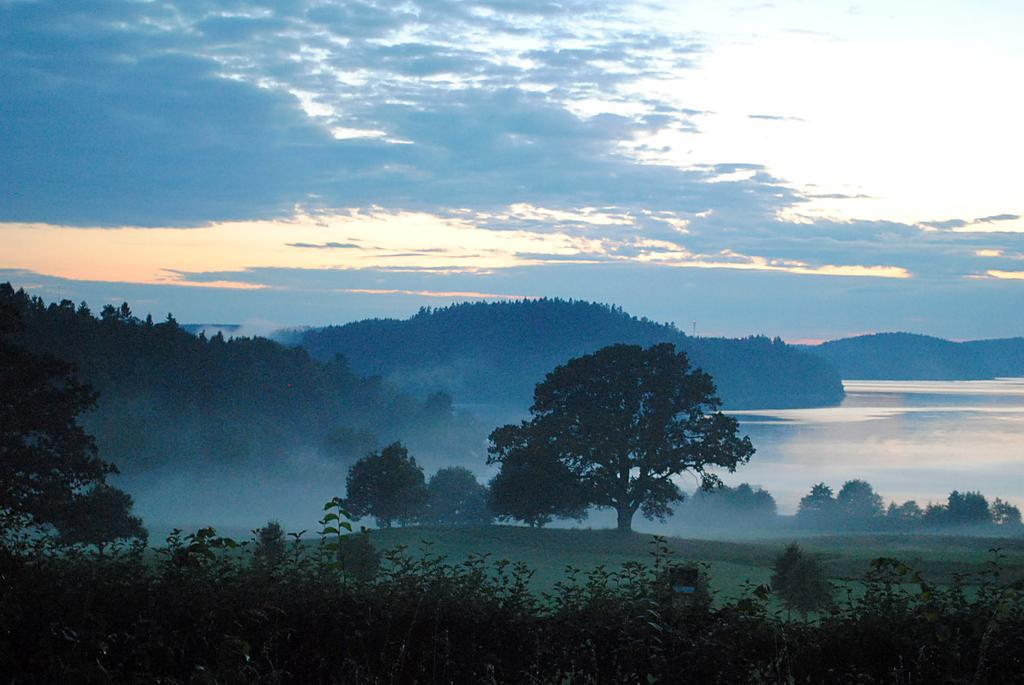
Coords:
pixel 910 439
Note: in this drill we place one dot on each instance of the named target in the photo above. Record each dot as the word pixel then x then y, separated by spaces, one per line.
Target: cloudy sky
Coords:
pixel 809 169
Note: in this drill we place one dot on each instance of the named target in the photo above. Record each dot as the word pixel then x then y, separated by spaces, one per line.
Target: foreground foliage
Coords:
pixel 202 611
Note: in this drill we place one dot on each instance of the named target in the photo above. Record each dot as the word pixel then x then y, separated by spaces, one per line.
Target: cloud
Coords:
pixel 773 117
pixel 325 246
pixel 970 224
pixel 178 114
pixel 511 117
pixel 1006 275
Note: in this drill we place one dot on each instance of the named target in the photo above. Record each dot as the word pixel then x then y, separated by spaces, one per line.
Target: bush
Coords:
pixel 358 557
pixel 202 611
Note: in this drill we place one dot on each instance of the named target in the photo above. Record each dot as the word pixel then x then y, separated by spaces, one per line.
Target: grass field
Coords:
pixel 732 564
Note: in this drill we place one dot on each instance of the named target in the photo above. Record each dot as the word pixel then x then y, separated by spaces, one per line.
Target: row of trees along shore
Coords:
pixel 858 507
pixel 391 487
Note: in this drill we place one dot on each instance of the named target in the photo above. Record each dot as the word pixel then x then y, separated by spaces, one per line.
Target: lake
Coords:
pixel 909 439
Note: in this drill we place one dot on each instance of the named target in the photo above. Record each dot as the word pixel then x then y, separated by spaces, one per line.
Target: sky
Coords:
pixel 804 169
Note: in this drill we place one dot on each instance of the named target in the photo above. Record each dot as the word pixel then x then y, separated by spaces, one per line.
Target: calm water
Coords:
pixel 910 439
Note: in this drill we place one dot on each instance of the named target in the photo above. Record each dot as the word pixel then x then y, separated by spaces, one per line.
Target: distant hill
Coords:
pixel 908 356
pixel 496 352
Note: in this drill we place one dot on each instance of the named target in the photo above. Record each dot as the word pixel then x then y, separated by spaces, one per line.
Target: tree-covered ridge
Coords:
pixel 909 356
pixel 496 351
pixel 166 396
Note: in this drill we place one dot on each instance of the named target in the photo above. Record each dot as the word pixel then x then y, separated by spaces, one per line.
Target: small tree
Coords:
pixel 625 421
pixel 817 508
pixel 961 509
pixel 800 581
pixel 1005 514
pixel 270 544
pixel 357 556
pixel 388 485
pixel 455 498
pixel 532 486
pixel 98 516
pixel 968 509
pixel 906 515
pixel 858 505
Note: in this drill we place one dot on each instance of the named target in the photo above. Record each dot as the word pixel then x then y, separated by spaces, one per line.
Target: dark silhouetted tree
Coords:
pixel 625 420
pixel 800 581
pixel 1005 514
pixel 532 486
pixel 46 458
pixel 967 509
pixel 358 557
pixel 270 545
pixel 858 505
pixel 387 485
pixel 904 516
pixel 455 498
pixel 817 509
pixel 100 515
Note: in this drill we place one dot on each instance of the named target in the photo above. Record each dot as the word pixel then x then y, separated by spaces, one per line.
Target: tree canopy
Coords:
pixel 532 486
pixel 387 485
pixel 625 420
pixel 455 498
pixel 858 505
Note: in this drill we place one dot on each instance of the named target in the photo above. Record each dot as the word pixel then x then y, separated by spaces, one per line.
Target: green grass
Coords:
pixel 732 565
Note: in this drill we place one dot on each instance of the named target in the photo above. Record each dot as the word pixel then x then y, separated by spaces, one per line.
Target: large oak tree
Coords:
pixel 625 420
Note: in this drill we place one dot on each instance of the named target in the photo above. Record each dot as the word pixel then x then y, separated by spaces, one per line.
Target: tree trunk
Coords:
pixel 625 519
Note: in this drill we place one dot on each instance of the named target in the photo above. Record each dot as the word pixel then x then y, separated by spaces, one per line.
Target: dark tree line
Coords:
pixel 166 396
pixel 858 507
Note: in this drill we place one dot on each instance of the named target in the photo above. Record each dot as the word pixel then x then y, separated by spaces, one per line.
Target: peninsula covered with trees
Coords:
pixel 908 356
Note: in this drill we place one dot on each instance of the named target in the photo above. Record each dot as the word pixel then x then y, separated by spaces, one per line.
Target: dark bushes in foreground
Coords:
pixel 202 612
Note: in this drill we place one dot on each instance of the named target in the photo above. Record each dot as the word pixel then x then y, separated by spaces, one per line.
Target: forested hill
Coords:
pixel 496 352
pixel 908 356
pixel 168 397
